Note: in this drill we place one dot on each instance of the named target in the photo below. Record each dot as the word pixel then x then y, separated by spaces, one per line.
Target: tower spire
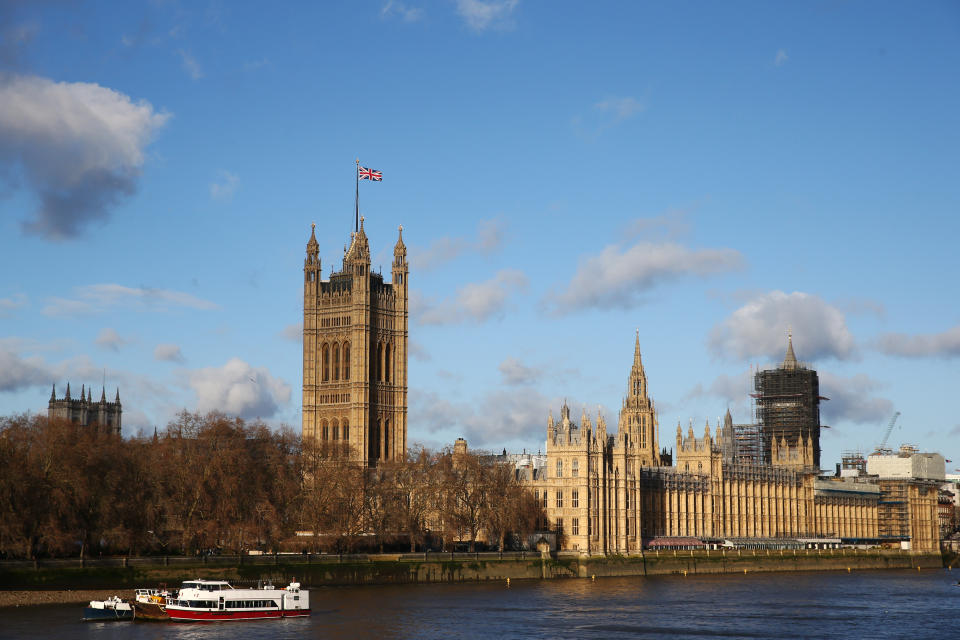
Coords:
pixel 790 359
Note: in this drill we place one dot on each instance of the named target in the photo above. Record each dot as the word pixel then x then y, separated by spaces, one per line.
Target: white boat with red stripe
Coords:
pixel 216 600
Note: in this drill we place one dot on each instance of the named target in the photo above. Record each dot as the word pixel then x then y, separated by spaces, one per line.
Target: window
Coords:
pixel 559 468
pixel 336 430
pixel 346 360
pixel 336 361
pixel 575 499
pixel 575 468
pixel 346 430
pixel 559 499
pixel 575 526
pixel 379 373
pixel 326 362
pixel 559 526
pixel 326 430
pixel 626 500
pixel 544 503
pixel 699 466
pixel 626 527
pixel 386 358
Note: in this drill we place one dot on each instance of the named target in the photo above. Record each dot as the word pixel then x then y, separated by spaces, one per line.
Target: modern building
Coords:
pixel 909 482
pixel 787 401
pixel 355 352
pixel 85 411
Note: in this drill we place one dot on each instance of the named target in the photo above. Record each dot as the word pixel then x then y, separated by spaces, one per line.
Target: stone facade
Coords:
pixel 614 493
pixel 85 411
pixel 355 352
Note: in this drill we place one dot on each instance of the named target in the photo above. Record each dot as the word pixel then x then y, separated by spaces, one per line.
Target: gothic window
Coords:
pixel 559 526
pixel 325 350
pixel 559 468
pixel 387 372
pixel 379 375
pixel 336 430
pixel 626 527
pixel 326 430
pixel 346 430
pixel 386 438
pixel 336 361
pixel 543 504
pixel 575 526
pixel 575 499
pixel 346 360
pixel 699 466
pixel 626 500
pixel 559 499
pixel 575 468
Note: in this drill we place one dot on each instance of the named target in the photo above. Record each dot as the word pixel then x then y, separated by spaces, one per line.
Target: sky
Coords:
pixel 569 175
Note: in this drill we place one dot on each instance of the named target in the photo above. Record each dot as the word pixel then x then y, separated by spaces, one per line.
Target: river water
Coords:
pixel 869 604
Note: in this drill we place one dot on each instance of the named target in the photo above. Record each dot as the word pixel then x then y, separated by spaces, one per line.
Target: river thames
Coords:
pixel 868 604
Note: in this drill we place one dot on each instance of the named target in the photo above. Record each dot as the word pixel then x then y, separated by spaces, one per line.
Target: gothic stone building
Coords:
pixel 84 411
pixel 355 352
pixel 607 493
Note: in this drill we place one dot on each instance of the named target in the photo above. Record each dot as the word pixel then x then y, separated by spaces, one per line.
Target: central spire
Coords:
pixel 790 359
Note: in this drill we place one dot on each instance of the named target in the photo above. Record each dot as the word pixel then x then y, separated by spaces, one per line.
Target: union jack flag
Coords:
pixel 369 174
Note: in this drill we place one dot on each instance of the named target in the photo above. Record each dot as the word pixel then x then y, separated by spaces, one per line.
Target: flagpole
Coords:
pixel 356 202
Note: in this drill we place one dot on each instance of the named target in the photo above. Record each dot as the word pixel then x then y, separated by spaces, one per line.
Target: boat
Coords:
pixel 150 605
pixel 216 600
pixel 113 608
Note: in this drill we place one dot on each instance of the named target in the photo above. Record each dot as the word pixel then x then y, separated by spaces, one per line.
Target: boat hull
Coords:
pixel 180 615
pixel 106 615
pixel 149 612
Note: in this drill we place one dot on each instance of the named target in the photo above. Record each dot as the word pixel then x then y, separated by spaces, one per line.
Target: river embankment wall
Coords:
pixel 333 570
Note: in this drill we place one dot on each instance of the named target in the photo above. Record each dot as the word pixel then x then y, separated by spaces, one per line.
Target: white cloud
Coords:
pixel 759 328
pixel 238 389
pixel 515 372
pixel 224 188
pixel 418 352
pixel 110 339
pixel 619 109
pixel 781 57
pixel 481 15
pixel 98 298
pixel 168 353
pixel 16 301
pixel 852 399
pixel 293 332
pixel 945 344
pixel 617 276
pixel 190 64
pixel 403 11
pixel 489 238
pixel 673 223
pixel 606 114
pixel 21 373
pixel 474 301
pixel 78 146
pixel 499 418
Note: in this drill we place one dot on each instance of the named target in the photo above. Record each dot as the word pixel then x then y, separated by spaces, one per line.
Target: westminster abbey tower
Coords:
pixel 355 353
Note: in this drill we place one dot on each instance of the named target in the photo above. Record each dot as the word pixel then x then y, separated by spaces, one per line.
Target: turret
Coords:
pixel 311 264
pixel 68 391
pixel 117 400
pixel 53 393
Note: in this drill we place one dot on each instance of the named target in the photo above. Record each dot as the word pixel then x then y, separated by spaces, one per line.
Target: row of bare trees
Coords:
pixel 210 482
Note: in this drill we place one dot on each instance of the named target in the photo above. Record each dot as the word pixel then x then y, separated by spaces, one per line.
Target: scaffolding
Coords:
pixel 854 461
pixel 747 445
pixel 787 405
pixel 893 510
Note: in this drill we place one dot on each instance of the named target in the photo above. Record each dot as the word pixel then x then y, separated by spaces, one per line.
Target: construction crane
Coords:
pixel 886 436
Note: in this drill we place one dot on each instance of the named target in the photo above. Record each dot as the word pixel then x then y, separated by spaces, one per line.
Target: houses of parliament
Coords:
pixel 355 352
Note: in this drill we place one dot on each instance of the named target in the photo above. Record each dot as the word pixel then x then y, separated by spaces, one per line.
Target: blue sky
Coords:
pixel 566 174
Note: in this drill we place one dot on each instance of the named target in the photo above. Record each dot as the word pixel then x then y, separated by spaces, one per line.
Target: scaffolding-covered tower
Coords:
pixel 787 403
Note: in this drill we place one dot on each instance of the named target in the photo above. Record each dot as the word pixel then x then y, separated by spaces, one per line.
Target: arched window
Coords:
pixel 379 372
pixel 336 361
pixel 386 439
pixel 326 431
pixel 325 350
pixel 346 429
pixel 335 429
pixel 346 360
pixel 386 357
